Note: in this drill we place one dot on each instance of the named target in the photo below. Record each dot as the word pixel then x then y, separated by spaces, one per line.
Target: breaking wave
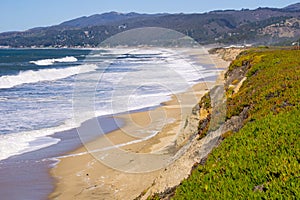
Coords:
pixel 46 62
pixel 31 76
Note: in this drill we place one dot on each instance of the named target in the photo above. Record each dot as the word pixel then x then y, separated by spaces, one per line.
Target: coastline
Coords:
pixel 85 177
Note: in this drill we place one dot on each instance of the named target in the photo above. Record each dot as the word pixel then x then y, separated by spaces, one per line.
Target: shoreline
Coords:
pixel 33 167
pixel 90 169
pixel 93 179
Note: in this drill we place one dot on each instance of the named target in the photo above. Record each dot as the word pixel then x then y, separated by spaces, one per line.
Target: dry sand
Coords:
pixel 116 176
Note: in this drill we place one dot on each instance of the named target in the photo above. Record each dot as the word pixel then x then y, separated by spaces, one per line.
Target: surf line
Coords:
pixel 102 149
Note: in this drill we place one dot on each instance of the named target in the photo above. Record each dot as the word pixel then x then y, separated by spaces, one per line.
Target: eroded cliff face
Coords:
pixel 199 121
pixel 210 113
pixel 204 129
pixel 227 54
pixel 196 123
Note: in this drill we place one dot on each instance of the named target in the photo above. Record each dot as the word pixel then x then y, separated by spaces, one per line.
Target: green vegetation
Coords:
pixel 261 161
pixel 272 86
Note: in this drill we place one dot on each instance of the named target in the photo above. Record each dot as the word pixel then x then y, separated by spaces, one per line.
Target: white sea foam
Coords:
pixel 46 62
pixel 31 76
pixel 154 133
pixel 20 143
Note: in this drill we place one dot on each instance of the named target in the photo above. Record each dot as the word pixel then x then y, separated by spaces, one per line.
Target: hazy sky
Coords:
pixel 25 14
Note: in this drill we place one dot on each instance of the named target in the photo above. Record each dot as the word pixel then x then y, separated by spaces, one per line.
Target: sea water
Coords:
pixel 38 87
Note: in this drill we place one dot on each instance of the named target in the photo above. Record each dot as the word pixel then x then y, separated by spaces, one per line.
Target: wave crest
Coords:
pixel 46 62
pixel 31 76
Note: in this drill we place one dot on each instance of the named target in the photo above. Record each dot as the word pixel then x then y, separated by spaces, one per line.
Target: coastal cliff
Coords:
pixel 257 145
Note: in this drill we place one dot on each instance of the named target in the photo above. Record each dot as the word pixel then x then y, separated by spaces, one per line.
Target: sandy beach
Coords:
pixel 127 162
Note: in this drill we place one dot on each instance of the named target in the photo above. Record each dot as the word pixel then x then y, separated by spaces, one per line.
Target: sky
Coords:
pixel 18 15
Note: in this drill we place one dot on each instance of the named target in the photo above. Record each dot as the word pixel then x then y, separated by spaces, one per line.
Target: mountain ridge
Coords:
pixel 293 7
pixel 104 19
pixel 256 26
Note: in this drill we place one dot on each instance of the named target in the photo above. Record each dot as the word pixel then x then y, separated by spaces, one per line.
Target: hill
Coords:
pixel 259 26
pixel 293 7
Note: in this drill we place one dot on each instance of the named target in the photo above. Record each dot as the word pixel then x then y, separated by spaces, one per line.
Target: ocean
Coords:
pixel 48 91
